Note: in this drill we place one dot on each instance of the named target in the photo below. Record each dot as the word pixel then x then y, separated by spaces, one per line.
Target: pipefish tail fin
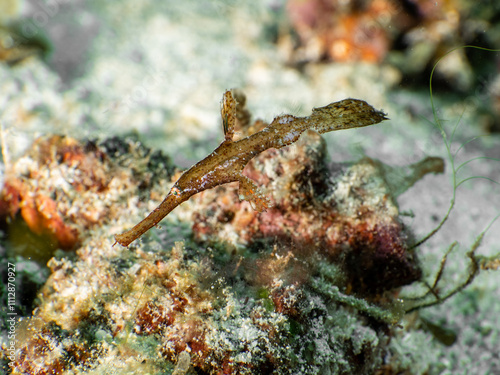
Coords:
pixel 345 114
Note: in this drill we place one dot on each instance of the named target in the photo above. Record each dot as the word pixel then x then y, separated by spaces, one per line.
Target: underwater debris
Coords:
pixel 436 294
pixel 60 189
pixel 226 163
pixel 47 352
pixel 311 284
pixel 350 218
pixel 45 212
pixel 15 47
pixel 183 363
pixel 342 31
pixel 410 35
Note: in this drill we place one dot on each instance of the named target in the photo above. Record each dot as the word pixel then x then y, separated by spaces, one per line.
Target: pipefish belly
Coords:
pixel 226 163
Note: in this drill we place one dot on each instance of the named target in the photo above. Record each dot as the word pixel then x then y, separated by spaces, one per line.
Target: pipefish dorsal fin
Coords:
pixel 228 114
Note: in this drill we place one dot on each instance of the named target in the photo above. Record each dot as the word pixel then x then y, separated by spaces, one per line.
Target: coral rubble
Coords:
pixel 307 287
pixel 345 213
pixel 369 30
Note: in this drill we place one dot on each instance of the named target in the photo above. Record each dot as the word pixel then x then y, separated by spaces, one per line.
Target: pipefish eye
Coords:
pixel 175 191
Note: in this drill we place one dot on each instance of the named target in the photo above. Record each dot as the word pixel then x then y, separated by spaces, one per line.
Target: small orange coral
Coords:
pixel 343 31
pixel 63 187
pixel 366 30
pixel 41 208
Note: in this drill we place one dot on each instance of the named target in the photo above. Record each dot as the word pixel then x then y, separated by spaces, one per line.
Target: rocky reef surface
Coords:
pixel 306 287
pixel 318 283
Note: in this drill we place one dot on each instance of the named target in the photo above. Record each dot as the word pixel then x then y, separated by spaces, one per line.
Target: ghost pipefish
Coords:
pixel 225 164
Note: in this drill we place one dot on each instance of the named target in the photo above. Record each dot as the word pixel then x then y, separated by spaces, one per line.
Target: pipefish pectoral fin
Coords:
pixel 345 114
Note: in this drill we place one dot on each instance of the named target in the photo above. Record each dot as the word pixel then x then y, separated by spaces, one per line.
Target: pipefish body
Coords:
pixel 226 163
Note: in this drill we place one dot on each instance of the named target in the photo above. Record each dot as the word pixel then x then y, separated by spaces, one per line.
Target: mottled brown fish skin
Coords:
pixel 226 163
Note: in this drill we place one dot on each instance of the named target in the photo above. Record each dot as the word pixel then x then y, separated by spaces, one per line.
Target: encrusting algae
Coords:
pixel 226 163
pixel 308 287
